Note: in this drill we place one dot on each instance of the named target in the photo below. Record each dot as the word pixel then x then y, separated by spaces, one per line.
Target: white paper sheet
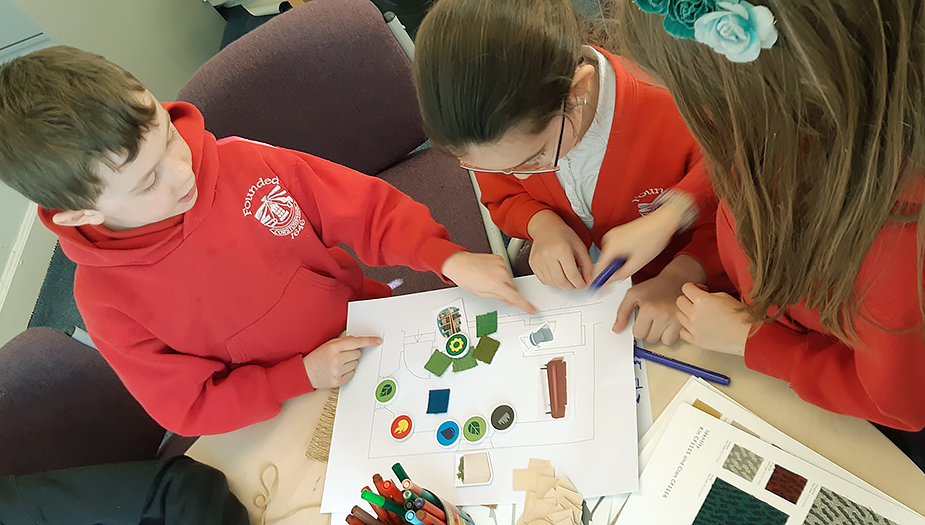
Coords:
pixel 608 508
pixel 735 414
pixel 643 401
pixel 594 444
pixel 701 462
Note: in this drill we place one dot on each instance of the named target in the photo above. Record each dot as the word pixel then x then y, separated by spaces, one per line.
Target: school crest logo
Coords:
pixel 645 199
pixel 272 205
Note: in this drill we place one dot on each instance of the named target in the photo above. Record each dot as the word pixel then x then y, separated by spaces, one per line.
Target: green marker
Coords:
pixel 408 495
pixel 379 501
pixel 400 472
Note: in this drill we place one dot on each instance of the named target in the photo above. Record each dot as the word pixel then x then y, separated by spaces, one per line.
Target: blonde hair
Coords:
pixel 813 143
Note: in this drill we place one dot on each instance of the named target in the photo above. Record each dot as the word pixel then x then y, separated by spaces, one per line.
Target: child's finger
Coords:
pixel 659 325
pixel 584 262
pixel 670 335
pixel 685 305
pixel 509 295
pixel 694 291
pixel 352 342
pixel 641 327
pixel 656 330
pixel 539 270
pixel 350 356
pixel 556 278
pixel 686 336
pixel 347 366
pixel 625 310
pixel 572 276
pixel 346 377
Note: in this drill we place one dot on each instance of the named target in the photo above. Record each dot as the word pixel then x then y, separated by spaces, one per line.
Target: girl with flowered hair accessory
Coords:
pixel 734 28
pixel 570 149
pixel 817 150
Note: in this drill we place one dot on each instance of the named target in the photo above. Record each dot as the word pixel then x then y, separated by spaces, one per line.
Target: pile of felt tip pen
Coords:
pixel 401 503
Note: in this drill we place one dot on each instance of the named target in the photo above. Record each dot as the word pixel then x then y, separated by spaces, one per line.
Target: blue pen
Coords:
pixel 695 371
pixel 608 272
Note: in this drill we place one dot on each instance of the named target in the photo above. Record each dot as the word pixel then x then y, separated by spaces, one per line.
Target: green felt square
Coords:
pixel 465 363
pixel 485 350
pixel 486 324
pixel 438 363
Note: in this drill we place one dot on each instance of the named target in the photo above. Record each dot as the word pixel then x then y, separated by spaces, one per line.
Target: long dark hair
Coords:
pixel 483 67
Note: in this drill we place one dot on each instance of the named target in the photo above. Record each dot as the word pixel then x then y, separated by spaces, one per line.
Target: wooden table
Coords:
pixel 852 443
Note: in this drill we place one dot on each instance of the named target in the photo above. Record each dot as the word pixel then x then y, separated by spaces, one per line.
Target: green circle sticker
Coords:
pixel 457 345
pixel 475 429
pixel 386 390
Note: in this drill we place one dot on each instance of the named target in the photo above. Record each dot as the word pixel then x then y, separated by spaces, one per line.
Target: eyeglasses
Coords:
pixel 528 171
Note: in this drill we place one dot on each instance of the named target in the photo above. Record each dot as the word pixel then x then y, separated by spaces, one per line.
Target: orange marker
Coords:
pixel 422 503
pixel 380 488
pixel 390 517
pixel 393 493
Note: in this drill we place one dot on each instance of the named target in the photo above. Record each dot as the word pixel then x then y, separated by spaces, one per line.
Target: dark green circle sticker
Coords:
pixel 386 390
pixel 502 417
pixel 457 345
pixel 475 429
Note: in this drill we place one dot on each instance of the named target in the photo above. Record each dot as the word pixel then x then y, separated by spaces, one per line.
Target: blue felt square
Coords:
pixel 438 401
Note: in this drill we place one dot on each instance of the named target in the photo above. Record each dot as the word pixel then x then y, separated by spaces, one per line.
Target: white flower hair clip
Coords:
pixel 734 28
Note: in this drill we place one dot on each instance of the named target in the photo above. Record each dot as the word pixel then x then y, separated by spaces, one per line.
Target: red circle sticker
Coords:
pixel 401 427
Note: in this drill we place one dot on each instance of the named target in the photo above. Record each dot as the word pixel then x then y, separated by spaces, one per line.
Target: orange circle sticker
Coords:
pixel 401 427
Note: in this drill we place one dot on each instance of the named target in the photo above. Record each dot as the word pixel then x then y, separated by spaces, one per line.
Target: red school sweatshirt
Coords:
pixel 881 377
pixel 206 316
pixel 649 151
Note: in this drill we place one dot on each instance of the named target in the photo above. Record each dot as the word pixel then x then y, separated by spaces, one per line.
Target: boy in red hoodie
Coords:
pixel 207 271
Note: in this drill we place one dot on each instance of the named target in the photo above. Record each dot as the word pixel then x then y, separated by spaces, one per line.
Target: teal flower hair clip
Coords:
pixel 734 28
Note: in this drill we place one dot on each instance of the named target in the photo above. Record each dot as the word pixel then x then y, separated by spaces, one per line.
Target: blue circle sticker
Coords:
pixel 448 433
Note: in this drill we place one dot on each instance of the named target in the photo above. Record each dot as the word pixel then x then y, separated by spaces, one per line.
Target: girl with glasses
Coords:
pixel 571 150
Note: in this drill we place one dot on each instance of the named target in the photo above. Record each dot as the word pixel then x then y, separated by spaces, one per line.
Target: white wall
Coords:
pixel 18 34
pixel 162 42
pixel 12 209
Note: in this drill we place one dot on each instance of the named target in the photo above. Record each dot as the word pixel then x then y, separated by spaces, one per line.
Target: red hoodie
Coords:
pixel 649 151
pixel 882 377
pixel 206 316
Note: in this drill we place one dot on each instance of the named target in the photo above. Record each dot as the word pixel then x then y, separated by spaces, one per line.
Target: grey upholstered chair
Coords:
pixel 328 78
pixel 62 406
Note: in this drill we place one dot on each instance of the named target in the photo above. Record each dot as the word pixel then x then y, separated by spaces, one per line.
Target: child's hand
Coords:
pixel 333 363
pixel 657 318
pixel 485 275
pixel 558 257
pixel 715 321
pixel 641 240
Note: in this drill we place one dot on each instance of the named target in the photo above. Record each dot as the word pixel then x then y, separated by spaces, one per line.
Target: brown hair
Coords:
pixel 812 144
pixel 484 66
pixel 63 111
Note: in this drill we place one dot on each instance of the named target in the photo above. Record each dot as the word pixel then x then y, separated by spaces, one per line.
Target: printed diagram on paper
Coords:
pixel 557 385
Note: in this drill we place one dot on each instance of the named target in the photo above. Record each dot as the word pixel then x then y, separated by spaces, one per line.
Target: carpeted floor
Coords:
pixel 55 306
